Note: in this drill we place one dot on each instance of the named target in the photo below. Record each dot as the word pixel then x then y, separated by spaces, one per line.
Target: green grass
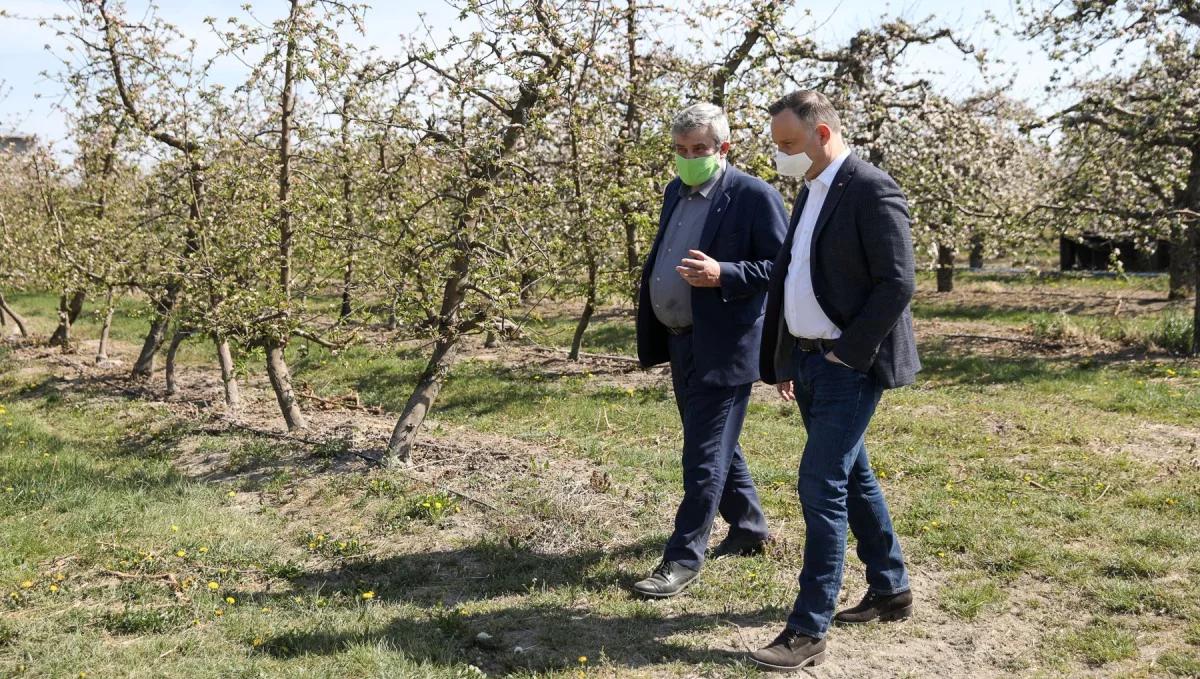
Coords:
pixel 1052 493
pixel 1099 643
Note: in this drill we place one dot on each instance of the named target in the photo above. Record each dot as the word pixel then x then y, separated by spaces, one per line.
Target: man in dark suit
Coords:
pixel 702 295
pixel 838 331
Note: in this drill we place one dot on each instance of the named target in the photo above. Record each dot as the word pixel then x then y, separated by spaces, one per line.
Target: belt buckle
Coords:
pixel 808 344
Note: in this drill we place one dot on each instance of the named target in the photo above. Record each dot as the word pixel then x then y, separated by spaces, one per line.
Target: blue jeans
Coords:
pixel 838 490
pixel 715 475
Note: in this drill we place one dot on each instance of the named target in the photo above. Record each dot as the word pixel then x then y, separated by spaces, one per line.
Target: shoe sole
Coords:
pixel 891 616
pixel 666 595
pixel 810 661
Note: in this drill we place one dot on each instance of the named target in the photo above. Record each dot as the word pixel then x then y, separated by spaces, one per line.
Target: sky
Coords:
pixel 27 96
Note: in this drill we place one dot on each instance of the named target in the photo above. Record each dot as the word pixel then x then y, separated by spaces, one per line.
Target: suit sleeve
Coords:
pixel 768 228
pixel 884 230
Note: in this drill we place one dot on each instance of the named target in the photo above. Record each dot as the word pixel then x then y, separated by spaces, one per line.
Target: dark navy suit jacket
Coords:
pixel 745 227
pixel 863 277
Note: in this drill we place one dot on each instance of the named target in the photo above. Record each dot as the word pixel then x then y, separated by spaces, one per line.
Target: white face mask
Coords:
pixel 792 166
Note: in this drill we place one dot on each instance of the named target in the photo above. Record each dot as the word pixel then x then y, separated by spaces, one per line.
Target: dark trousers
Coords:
pixel 715 475
pixel 838 490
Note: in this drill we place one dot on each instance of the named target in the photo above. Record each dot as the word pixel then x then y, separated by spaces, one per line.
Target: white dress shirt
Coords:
pixel 803 314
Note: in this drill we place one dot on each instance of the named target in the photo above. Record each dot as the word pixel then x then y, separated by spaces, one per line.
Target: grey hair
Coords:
pixel 702 115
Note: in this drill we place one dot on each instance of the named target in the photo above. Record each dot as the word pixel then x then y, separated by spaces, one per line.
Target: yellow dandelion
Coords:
pixel 54 589
pixel 257 642
pixel 583 660
pixel 265 609
pixel 174 528
pixel 203 550
pixel 218 612
pixel 367 596
pixel 437 505
pixel 230 600
pixel 180 553
pixel 26 584
pixel 213 586
pixel 231 493
pixel 297 599
pixel 59 577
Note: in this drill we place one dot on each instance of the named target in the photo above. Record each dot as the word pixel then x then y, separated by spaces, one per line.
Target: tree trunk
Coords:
pixel 61 336
pixel 76 306
pixel 1179 266
pixel 589 308
pixel 176 339
pixel 68 313
pixel 281 382
pixel 347 206
pixel 233 396
pixel 105 329
pixel 627 141
pixel 1193 203
pixel 277 369
pixel 404 436
pixel 393 321
pixel 6 309
pixel 450 325
pixel 143 368
pixel 347 282
pixel 529 285
pixel 975 259
pixel 945 269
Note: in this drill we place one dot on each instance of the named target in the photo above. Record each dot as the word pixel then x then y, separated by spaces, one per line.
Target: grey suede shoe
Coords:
pixel 791 650
pixel 881 607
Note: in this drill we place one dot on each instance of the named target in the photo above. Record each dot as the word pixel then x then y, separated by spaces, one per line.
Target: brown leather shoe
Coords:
pixel 791 650
pixel 882 607
pixel 668 579
pixel 739 547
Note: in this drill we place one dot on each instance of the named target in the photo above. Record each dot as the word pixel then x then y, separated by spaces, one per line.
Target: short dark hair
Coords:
pixel 810 106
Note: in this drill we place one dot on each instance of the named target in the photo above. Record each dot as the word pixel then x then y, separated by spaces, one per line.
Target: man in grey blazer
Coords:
pixel 837 332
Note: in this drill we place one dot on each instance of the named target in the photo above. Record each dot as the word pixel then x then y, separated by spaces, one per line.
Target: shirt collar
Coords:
pixel 707 187
pixel 825 179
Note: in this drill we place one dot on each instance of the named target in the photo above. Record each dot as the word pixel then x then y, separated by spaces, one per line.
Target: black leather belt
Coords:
pixel 679 331
pixel 821 345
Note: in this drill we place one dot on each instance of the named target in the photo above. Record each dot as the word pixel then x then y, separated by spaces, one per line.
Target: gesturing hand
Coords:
pixel 700 270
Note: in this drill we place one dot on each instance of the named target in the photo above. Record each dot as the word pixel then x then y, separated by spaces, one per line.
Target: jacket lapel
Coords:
pixel 840 180
pixel 716 211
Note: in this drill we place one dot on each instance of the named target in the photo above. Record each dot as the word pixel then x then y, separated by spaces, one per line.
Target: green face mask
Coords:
pixel 696 171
